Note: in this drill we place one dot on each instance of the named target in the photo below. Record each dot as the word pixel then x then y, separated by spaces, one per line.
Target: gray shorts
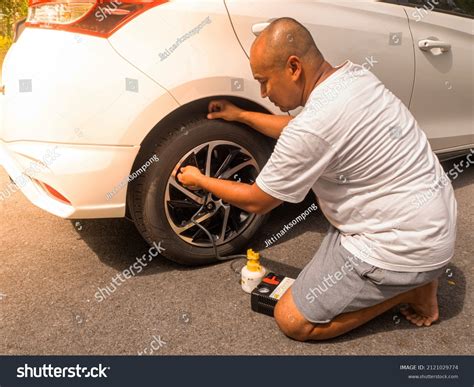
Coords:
pixel 336 282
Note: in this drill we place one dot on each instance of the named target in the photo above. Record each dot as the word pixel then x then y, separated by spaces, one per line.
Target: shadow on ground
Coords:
pixel 118 243
pixel 451 304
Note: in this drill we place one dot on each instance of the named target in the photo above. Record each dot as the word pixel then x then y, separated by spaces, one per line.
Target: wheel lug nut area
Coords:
pixel 219 159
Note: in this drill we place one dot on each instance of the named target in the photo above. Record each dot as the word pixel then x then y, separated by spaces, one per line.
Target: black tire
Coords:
pixel 146 195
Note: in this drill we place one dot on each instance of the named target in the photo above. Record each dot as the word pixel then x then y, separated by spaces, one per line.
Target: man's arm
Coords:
pixel 268 124
pixel 248 197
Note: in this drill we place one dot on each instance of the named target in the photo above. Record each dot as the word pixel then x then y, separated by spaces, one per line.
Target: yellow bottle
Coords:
pixel 252 273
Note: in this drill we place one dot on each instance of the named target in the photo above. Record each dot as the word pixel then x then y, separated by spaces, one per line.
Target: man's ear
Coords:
pixel 294 65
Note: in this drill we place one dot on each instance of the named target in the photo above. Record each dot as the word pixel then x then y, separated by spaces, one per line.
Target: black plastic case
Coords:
pixel 266 295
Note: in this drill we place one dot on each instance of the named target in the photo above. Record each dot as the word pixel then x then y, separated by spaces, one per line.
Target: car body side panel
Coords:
pixel 443 97
pixel 193 52
pixel 343 30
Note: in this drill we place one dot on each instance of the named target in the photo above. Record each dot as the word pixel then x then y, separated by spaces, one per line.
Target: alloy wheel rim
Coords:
pixel 220 159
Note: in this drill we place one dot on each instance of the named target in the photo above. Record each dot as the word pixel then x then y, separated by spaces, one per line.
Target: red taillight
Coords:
pixel 93 17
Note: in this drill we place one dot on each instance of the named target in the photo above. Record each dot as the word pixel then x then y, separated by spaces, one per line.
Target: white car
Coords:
pixel 101 101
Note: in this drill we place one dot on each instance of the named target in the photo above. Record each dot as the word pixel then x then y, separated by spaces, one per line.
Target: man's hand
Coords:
pixel 267 124
pixel 224 109
pixel 190 176
pixel 248 197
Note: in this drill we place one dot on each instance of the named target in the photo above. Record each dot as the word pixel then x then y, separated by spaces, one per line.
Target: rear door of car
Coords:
pixel 443 96
pixel 369 32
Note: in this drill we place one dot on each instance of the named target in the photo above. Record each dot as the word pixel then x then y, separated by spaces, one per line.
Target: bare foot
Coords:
pixel 423 309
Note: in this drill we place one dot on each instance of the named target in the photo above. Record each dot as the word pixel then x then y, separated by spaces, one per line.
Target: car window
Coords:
pixel 456 7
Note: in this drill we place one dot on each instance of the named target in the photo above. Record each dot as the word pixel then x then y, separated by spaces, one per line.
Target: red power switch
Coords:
pixel 271 281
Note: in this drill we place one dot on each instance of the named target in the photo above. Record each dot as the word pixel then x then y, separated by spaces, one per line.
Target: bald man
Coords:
pixel 368 162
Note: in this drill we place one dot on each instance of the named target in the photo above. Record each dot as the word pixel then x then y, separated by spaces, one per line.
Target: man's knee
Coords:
pixel 290 321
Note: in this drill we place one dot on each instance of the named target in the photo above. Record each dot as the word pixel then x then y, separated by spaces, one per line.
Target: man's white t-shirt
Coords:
pixel 373 171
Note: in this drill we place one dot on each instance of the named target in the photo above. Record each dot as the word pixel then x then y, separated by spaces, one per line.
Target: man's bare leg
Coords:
pixel 422 310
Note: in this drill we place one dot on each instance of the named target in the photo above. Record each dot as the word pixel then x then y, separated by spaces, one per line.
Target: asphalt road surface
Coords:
pixel 51 269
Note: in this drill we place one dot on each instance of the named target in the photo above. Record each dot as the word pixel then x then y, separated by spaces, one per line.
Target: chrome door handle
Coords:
pixel 428 44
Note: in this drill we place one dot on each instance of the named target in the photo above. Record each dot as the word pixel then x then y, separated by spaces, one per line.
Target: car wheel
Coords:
pixel 162 208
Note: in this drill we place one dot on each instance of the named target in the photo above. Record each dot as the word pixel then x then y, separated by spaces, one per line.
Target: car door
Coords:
pixel 365 32
pixel 443 95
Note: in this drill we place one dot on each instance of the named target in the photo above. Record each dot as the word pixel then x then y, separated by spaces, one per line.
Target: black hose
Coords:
pixel 218 257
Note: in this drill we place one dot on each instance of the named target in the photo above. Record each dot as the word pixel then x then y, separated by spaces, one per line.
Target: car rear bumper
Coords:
pixel 72 118
pixel 83 174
